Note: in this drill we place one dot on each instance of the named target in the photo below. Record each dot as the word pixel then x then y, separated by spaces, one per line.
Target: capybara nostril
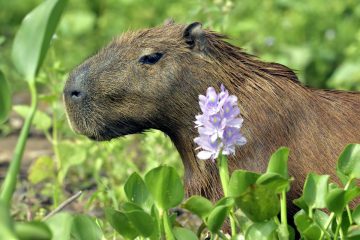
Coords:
pixel 76 95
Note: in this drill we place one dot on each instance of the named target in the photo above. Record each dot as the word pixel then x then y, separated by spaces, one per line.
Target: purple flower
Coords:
pixel 218 125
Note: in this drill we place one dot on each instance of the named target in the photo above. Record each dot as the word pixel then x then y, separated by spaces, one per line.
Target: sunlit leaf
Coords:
pixel 142 222
pixel 41 169
pixel 315 190
pixel 165 186
pixel 279 162
pixel 349 161
pixel 33 38
pixel 5 98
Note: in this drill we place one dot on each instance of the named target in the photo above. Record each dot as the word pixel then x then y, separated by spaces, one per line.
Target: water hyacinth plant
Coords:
pixel 219 132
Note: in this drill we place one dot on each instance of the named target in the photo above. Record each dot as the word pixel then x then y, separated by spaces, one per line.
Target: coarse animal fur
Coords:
pixel 120 96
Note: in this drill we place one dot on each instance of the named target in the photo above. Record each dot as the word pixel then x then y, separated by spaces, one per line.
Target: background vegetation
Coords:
pixel 319 39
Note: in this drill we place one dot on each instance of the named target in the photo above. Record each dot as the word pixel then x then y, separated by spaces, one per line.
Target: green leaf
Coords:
pixel 216 218
pixel 33 38
pixel 279 162
pixel 225 201
pixel 135 190
pixel 129 206
pixel 71 154
pixel 273 181
pixel 315 190
pixel 306 226
pixel 165 186
pixel 240 180
pixel 349 161
pixel 262 231
pixel 32 231
pixel 356 215
pixel 300 202
pixel 142 222
pixel 184 234
pixel 335 201
pixel 259 203
pixel 41 169
pixel 199 206
pixel 41 121
pixel 85 228
pixel 5 98
pixel 120 222
pixel 60 226
pixel 353 233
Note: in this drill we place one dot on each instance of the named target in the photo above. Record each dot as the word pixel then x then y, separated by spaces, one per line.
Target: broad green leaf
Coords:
pixel 165 186
pixel 120 222
pixel 199 206
pixel 349 161
pixel 308 229
pixel 32 231
pixel 135 189
pixel 5 98
pixel 279 162
pixel 225 201
pixel 142 222
pixel 184 234
pixel 259 203
pixel 243 220
pixel 315 190
pixel 85 228
pixel 60 226
pixel 262 231
pixel 273 181
pixel 33 38
pixel 240 180
pixel 335 201
pixel 216 218
pixel 356 215
pixel 300 202
pixel 41 169
pixel 129 206
pixel 41 120
pixel 353 233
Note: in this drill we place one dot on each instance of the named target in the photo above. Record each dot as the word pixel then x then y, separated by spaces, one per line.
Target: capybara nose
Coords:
pixel 76 95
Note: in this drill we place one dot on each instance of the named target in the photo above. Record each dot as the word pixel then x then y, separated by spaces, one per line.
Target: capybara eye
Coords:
pixel 151 58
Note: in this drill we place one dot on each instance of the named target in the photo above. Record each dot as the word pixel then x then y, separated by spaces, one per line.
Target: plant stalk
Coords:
pixel 284 214
pixel 167 226
pixel 9 185
pixel 224 178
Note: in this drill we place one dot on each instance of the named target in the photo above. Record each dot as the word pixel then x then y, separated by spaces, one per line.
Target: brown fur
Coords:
pixel 125 97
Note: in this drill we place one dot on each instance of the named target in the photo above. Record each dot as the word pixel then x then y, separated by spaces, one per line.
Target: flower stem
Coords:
pixel 224 178
pixel 167 226
pixel 285 231
pixel 9 185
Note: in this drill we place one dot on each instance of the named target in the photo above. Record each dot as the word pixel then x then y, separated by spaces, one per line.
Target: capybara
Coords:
pixel 151 79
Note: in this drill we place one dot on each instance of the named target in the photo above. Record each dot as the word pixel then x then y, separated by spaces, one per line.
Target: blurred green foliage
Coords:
pixel 319 39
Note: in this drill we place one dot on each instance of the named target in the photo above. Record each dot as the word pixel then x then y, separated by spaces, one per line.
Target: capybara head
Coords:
pixel 137 82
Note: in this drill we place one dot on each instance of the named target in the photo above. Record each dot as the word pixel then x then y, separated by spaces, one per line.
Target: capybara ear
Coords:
pixel 168 22
pixel 194 36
